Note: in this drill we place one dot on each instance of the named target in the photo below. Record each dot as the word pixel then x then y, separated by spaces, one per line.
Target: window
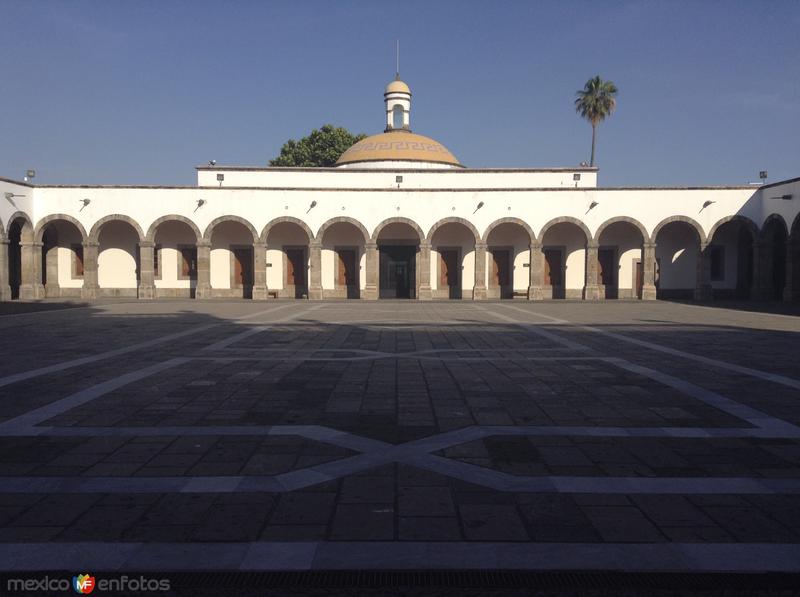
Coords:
pixel 717 258
pixel 77 261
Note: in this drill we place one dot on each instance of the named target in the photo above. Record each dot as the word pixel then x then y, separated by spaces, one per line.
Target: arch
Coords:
pixel 453 220
pixel 795 229
pixel 94 233
pixel 342 220
pixel 210 228
pixel 27 228
pixel 776 219
pixel 151 231
pixel 397 220
pixel 565 220
pixel 745 221
pixel 38 232
pixel 286 219
pixel 2 232
pixel 501 221
pixel 632 221
pixel 685 219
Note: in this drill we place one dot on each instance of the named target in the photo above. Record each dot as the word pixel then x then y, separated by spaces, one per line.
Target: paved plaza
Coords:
pixel 181 435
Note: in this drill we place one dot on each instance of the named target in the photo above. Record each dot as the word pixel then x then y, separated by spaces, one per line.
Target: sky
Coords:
pixel 141 92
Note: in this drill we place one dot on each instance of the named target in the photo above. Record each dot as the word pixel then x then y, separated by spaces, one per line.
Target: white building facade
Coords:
pixel 399 217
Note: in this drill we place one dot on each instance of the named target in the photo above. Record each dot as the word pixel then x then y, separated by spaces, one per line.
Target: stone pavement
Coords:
pixel 177 435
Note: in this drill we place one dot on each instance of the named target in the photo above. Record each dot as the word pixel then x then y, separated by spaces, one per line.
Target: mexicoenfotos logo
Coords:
pixel 83 584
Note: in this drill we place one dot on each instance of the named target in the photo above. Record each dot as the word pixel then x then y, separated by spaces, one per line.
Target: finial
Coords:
pixel 397 65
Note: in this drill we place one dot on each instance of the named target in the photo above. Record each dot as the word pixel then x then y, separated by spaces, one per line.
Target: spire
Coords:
pixel 397 63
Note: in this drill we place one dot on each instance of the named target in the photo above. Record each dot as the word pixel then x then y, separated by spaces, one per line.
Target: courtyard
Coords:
pixel 300 435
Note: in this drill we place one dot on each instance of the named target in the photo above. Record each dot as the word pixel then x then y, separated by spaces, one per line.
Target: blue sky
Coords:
pixel 141 92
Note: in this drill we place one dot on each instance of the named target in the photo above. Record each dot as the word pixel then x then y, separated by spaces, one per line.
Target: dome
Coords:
pixel 398 145
pixel 397 86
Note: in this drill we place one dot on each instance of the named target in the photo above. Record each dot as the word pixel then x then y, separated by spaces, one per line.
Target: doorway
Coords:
pixel 449 273
pixel 607 272
pixel 554 271
pixel 501 273
pixel 397 271
pixel 347 271
pixel 243 270
pixel 295 280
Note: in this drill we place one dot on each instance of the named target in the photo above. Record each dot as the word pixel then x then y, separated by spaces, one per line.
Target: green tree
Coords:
pixel 595 102
pixel 319 149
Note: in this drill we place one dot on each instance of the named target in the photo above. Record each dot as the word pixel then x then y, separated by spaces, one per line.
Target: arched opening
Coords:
pixel 397 117
pixel 620 265
pixel 564 252
pixel 398 249
pixel 730 259
pixel 773 260
pixel 62 257
pixel 452 261
pixel 508 252
pixel 677 254
pixel 288 260
pixel 232 265
pixel 343 261
pixel 19 231
pixel 792 291
pixel 175 259
pixel 118 259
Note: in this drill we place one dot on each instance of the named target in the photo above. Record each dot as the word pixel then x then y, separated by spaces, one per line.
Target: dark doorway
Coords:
pixel 554 272
pixel 15 258
pixel 296 271
pixel 243 270
pixel 639 279
pixel 397 271
pixel 449 273
pixel 501 272
pixel 347 271
pixel 607 272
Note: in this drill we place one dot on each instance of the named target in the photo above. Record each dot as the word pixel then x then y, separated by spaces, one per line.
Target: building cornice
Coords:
pixel 458 169
pixel 400 190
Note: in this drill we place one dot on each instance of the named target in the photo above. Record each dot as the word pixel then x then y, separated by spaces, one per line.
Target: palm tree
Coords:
pixel 595 102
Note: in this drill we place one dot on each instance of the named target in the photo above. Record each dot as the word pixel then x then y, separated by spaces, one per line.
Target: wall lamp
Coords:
pixel 10 196
pixel 784 197
pixel 28 175
pixel 312 206
pixel 706 203
pixel 479 206
pixel 85 203
pixel 592 205
pixel 200 203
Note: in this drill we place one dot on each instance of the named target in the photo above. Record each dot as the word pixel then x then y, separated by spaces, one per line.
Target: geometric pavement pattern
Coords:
pixel 335 424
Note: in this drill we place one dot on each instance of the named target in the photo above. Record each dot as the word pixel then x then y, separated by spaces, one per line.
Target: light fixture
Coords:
pixel 29 174
pixel 592 205
pixel 212 162
pixel 312 206
pixel 10 196
pixel 479 206
pixel 763 175
pixel 220 178
pixel 708 202
pixel 784 197
pixel 85 202
pixel 201 202
pixel 576 176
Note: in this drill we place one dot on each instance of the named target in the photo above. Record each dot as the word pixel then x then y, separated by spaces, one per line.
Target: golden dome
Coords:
pixel 397 86
pixel 398 145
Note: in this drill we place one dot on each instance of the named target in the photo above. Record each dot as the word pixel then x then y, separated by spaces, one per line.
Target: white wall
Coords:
pixel 225 235
pixel 516 238
pixel 628 241
pixel 341 235
pixel 677 247
pixel 453 235
pixel 169 235
pixel 117 256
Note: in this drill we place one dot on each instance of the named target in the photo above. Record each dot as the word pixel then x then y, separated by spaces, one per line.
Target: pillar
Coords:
pixel 479 290
pixel 260 272
pixel 372 263
pixel 203 290
pixel 90 284
pixel 51 287
pixel 424 271
pixel 5 288
pixel 702 287
pixel 649 271
pixel 591 290
pixel 147 285
pixel 31 287
pixel 536 272
pixel 315 287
